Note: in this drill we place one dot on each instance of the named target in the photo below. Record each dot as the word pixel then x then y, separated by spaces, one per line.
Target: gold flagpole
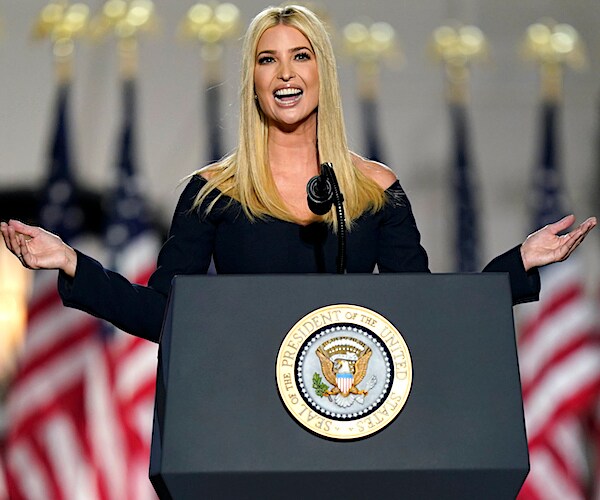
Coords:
pixel 457 46
pixel 212 24
pixel 62 23
pixel 370 45
pixel 553 45
pixel 125 19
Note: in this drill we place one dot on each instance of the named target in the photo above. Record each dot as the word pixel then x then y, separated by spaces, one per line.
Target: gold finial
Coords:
pixel 62 23
pixel 125 19
pixel 211 24
pixel 553 45
pixel 457 46
pixel 369 45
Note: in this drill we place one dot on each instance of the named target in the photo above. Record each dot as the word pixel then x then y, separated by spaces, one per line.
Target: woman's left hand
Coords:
pixel 545 246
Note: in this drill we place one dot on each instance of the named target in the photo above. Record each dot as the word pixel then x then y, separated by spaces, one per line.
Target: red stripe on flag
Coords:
pixel 557 348
pixel 552 305
pixel 79 333
pixel 576 403
pixel 582 341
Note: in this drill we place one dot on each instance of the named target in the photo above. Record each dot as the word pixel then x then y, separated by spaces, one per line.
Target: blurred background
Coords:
pixel 488 112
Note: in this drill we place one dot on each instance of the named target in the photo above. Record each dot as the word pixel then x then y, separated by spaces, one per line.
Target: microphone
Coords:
pixel 319 191
pixel 322 192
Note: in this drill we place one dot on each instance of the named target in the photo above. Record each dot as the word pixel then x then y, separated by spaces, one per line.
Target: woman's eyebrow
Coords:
pixel 295 49
pixel 301 48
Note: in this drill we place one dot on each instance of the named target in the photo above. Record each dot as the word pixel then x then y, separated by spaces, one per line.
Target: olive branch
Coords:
pixel 318 385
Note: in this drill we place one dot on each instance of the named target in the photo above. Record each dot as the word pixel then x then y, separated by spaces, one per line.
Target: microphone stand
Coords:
pixel 322 191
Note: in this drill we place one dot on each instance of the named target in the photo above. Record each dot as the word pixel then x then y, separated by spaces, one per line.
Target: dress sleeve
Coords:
pixel 400 249
pixel 137 309
pixel 524 285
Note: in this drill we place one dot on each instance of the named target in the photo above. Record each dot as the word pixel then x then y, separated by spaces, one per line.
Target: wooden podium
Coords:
pixel 221 430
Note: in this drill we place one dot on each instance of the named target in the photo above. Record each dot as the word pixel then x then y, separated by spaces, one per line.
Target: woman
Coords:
pixel 249 211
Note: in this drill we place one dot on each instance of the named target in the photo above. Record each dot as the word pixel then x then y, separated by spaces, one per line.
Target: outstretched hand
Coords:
pixel 546 246
pixel 37 248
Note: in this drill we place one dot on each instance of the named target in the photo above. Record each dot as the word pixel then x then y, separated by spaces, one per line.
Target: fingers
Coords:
pixel 22 228
pixel 4 231
pixel 562 224
pixel 11 239
pixel 589 223
pixel 23 262
pixel 571 245
pixel 583 229
pixel 16 241
pixel 572 240
pixel 568 220
pixel 586 227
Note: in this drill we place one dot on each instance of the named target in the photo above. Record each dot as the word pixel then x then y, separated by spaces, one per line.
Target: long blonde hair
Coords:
pixel 245 176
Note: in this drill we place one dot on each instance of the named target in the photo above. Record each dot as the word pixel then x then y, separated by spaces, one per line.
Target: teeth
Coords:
pixel 287 92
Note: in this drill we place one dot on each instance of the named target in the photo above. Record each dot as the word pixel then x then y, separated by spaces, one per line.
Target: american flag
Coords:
pixel 133 245
pixel 595 423
pixel 559 352
pixel 49 450
pixel 3 489
pixel 463 183
pixel 80 407
pixel 595 439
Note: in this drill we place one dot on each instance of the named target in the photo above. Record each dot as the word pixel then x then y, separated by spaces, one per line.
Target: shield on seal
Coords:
pixel 344 381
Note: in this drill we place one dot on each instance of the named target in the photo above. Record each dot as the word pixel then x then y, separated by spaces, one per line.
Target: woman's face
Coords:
pixel 286 78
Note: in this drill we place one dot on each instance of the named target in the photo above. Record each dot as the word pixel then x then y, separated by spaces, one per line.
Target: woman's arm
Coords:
pixel 85 284
pixel 137 309
pixel 401 251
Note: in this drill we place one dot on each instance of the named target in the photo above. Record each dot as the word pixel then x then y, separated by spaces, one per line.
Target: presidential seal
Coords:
pixel 344 371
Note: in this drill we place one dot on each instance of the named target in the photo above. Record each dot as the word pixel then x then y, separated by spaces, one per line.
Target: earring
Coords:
pixel 255 97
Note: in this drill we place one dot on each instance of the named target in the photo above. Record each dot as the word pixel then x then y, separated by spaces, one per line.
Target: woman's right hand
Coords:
pixel 37 248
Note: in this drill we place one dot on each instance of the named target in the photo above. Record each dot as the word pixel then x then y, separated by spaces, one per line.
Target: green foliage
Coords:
pixel 318 385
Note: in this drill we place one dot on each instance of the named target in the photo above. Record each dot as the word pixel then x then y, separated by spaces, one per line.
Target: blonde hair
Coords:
pixel 245 176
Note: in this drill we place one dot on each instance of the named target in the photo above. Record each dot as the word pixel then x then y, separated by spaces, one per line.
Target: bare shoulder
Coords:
pixel 378 172
pixel 209 171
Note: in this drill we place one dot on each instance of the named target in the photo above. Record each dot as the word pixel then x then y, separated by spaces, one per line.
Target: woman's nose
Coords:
pixel 286 72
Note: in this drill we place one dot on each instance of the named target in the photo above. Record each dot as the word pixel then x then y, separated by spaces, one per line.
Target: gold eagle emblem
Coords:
pixel 344 362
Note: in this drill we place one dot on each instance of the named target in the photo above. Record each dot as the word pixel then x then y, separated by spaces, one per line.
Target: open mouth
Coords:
pixel 288 95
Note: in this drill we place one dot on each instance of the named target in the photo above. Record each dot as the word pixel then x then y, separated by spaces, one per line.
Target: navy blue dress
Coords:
pixel 387 240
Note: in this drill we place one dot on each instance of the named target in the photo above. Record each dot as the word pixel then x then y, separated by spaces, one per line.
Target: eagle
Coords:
pixel 344 371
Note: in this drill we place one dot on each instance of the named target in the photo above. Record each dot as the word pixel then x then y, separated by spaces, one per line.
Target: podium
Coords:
pixel 222 431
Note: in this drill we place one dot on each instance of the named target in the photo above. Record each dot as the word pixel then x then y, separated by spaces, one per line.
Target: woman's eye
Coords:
pixel 302 56
pixel 265 59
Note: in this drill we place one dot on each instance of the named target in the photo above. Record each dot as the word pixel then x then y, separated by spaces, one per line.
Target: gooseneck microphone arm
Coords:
pixel 323 191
